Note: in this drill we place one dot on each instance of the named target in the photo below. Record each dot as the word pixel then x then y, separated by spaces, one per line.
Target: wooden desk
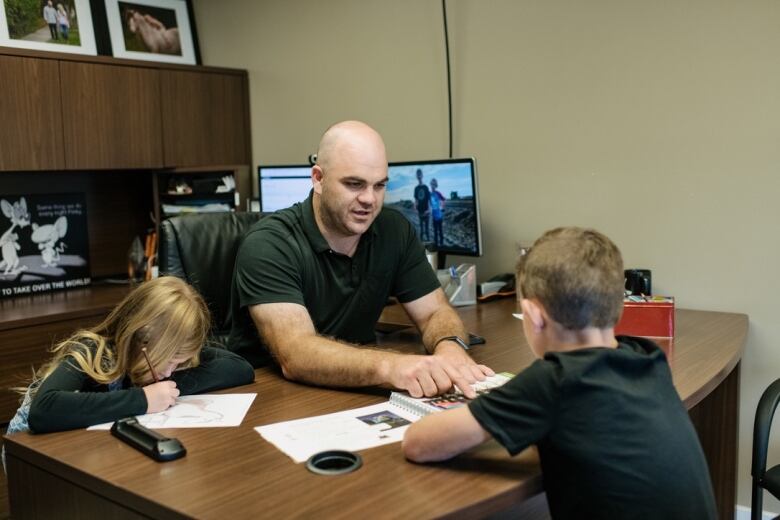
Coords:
pixel 234 473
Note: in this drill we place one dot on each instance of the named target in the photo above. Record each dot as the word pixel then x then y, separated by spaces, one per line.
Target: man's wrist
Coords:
pixel 455 339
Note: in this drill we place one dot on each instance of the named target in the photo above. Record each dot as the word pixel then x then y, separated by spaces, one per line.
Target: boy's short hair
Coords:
pixel 577 275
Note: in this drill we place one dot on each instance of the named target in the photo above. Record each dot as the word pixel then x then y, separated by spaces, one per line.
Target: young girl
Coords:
pixel 63 21
pixel 101 374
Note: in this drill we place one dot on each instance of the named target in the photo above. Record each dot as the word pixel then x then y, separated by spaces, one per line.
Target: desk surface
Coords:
pixel 234 473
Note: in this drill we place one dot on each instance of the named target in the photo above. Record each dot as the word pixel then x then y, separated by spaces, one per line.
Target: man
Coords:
pixel 422 197
pixel 311 281
pixel 50 15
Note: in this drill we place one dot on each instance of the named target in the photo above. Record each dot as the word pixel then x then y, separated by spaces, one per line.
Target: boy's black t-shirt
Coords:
pixel 614 439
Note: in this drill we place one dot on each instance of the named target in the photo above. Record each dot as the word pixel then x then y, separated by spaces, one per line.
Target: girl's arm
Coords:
pixel 218 368
pixel 68 399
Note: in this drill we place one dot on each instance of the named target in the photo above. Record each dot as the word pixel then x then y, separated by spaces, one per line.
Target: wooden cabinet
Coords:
pixel 30 117
pixel 204 118
pixel 110 129
pixel 111 116
pixel 70 112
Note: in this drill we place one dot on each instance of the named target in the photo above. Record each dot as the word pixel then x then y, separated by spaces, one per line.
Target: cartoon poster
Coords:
pixel 43 243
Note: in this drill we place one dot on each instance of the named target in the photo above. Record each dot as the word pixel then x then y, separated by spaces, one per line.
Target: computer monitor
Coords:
pixel 421 189
pixel 282 186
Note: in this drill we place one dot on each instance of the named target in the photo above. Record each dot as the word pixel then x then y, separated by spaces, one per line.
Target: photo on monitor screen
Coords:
pixel 282 186
pixel 440 199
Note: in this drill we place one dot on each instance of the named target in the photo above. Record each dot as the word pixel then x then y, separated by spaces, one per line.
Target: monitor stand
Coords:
pixel 441 260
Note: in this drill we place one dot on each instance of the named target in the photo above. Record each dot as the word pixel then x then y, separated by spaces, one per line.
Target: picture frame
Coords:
pixel 44 243
pixel 24 26
pixel 152 30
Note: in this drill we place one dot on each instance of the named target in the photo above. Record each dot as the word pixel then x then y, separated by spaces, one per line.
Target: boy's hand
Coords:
pixel 160 396
pixel 467 371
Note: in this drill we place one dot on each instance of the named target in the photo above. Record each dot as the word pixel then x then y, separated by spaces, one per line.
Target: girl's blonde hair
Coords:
pixel 165 315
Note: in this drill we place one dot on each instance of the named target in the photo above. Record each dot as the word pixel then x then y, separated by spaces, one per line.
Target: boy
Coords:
pixel 614 439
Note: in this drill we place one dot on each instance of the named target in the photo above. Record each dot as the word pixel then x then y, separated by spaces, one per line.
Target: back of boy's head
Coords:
pixel 577 275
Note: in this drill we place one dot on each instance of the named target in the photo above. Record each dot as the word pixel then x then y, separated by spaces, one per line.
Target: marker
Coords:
pixel 151 368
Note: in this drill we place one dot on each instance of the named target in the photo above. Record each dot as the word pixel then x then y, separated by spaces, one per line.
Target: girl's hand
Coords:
pixel 160 396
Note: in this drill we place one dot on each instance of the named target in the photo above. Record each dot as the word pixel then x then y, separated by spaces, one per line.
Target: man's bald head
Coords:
pixel 351 141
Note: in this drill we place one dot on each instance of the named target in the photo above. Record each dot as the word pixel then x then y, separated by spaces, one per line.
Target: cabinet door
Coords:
pixel 205 118
pixel 30 116
pixel 111 116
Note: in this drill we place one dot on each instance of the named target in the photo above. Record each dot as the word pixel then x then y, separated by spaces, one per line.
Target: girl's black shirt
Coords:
pixel 70 399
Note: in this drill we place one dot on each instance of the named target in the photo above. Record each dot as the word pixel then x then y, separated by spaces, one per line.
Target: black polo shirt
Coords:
pixel 614 439
pixel 285 259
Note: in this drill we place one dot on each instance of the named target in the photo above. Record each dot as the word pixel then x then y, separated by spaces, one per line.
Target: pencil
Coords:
pixel 151 368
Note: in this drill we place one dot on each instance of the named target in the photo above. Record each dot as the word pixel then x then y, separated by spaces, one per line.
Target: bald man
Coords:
pixel 311 281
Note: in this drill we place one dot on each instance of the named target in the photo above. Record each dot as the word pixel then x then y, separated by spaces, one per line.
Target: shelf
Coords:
pixel 217 197
pixel 36 309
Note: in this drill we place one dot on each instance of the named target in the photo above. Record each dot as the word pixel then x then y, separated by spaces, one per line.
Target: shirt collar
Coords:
pixel 313 233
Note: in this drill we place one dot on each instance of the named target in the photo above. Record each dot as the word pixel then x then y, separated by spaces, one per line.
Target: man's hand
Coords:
pixel 468 371
pixel 433 375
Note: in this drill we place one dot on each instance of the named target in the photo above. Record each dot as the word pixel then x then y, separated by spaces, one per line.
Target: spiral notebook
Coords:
pixel 423 406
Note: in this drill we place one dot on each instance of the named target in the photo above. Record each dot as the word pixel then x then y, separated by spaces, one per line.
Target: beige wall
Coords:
pixel 655 122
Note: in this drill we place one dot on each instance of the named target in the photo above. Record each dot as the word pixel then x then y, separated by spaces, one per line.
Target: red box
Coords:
pixel 651 316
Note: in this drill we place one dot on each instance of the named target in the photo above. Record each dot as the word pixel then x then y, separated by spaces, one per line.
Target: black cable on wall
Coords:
pixel 449 74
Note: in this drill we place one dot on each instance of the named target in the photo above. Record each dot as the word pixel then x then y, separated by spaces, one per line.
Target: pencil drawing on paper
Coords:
pixel 198 411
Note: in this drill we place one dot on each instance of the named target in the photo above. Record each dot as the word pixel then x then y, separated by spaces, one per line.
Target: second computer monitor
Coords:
pixel 441 201
pixel 282 186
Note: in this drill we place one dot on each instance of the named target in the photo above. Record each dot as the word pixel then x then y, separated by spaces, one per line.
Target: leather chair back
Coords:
pixel 201 249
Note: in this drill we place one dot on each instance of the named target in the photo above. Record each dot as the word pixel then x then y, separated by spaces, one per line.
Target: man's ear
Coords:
pixel 534 314
pixel 316 178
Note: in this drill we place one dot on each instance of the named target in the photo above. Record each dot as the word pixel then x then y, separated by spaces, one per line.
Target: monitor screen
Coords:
pixel 282 186
pixel 441 200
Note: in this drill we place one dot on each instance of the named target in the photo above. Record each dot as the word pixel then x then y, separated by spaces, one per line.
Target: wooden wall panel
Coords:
pixel 31 129
pixel 111 116
pixel 204 118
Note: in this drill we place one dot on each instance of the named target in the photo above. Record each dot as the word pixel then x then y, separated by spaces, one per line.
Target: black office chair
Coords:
pixel 763 479
pixel 201 249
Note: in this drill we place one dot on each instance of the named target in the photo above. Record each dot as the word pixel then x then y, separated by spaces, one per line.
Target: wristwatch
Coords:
pixel 456 339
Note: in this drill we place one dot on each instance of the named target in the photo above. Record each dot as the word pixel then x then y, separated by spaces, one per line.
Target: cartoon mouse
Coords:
pixel 46 237
pixel 9 242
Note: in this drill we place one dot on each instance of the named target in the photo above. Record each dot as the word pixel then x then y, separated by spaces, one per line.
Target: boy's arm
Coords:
pixel 443 435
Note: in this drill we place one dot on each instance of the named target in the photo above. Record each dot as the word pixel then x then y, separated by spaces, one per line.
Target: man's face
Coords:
pixel 352 193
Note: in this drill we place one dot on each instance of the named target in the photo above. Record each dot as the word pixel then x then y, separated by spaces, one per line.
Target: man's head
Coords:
pixel 434 184
pixel 349 178
pixel 419 176
pixel 576 275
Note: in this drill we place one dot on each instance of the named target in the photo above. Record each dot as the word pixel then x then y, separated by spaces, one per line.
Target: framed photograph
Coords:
pixel 47 25
pixel 154 30
pixel 43 243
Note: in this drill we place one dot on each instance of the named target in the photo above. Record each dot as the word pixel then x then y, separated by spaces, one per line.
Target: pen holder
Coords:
pixel 459 284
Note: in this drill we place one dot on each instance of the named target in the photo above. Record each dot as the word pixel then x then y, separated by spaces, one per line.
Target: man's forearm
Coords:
pixel 323 361
pixel 444 322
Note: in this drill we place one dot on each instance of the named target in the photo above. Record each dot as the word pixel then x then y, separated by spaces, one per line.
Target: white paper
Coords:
pixel 517 315
pixel 350 430
pixel 197 411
